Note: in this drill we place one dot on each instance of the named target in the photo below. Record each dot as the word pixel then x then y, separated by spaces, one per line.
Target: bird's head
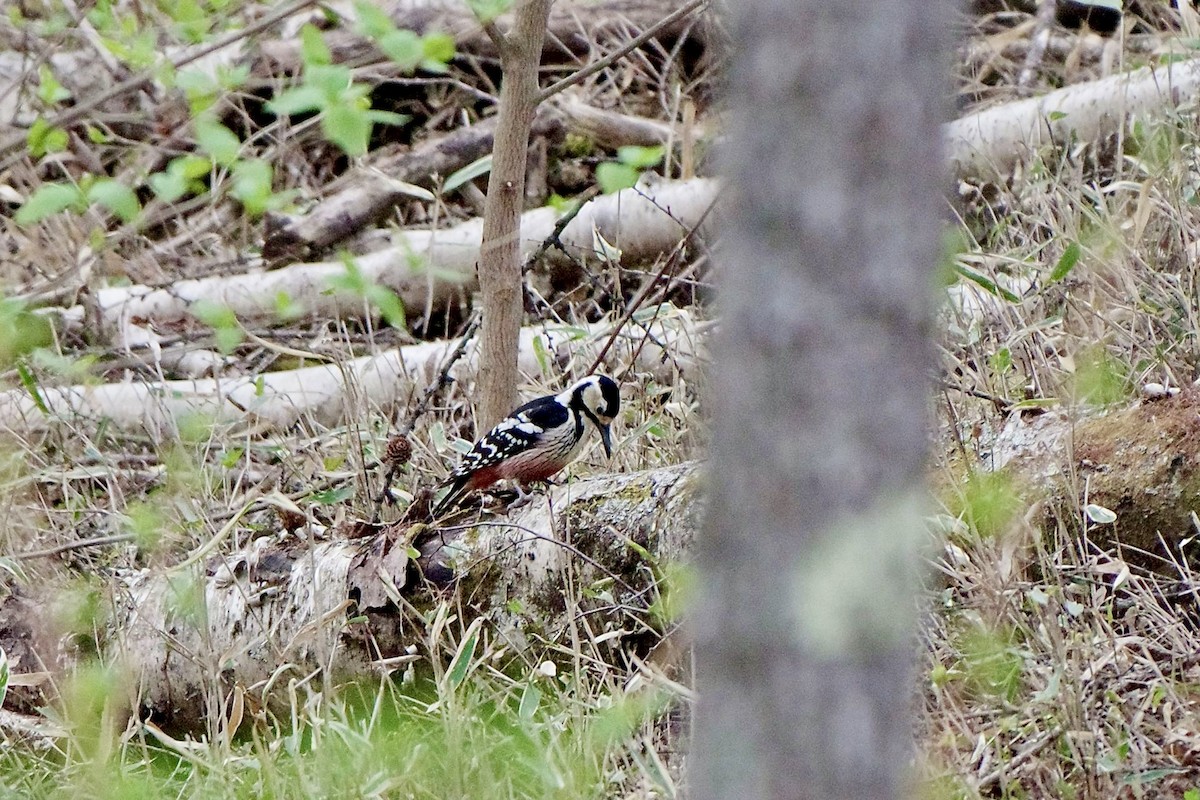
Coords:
pixel 597 398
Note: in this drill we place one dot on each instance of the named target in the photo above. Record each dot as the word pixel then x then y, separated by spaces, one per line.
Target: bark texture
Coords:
pixel 500 254
pixel 819 390
pixel 330 393
pixel 319 603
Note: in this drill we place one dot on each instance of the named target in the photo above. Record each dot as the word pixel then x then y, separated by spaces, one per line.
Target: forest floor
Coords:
pixel 1055 663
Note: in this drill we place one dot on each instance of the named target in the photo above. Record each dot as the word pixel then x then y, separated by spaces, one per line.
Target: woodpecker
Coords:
pixel 538 439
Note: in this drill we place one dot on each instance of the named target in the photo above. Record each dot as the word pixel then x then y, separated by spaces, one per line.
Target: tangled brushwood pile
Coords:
pixel 239 249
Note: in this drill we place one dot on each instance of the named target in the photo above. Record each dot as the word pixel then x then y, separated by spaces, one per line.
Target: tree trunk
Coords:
pixel 819 391
pixel 500 254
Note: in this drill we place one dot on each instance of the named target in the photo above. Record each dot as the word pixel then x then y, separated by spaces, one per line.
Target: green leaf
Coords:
pixel 476 169
pixel 348 127
pixel 641 157
pixel 50 198
pixel 331 80
pixel 531 698
pixel 287 309
pixel 313 48
pixel 195 82
pixel 1066 261
pixel 330 497
pixel 116 197
pixel 352 281
pixel 45 138
pixel 389 305
pixel 543 358
pixel 4 674
pixel 31 385
pixel 461 664
pixel 50 91
pixel 387 117
pixel 20 331
pixel 191 19
pixel 1001 361
pixel 192 167
pixel 252 182
pixel 223 321
pixel 217 140
pixel 437 47
pixel 298 100
pixel 403 47
pixel 199 88
pixel 986 283
pixel 614 177
pixel 371 20
pixel 182 176
pixel 1146 777
pixel 233 77
pixel 488 10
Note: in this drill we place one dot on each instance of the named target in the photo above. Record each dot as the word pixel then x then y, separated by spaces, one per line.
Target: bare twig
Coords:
pixel 443 379
pixel 1037 47
pixel 616 55
pixel 553 239
pixel 636 303
pixel 68 546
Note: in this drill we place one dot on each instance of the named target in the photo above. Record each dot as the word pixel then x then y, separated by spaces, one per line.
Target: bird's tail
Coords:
pixel 458 488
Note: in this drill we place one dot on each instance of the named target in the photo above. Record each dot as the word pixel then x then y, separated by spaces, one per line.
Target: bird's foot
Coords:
pixel 523 498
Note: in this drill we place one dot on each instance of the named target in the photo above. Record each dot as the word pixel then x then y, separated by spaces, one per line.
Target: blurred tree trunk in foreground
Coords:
pixel 805 623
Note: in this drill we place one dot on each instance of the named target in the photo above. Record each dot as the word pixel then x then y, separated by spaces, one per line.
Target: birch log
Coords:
pixel 428 266
pixel 991 141
pixel 323 393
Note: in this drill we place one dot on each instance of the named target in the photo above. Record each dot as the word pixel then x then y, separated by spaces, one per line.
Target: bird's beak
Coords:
pixel 606 440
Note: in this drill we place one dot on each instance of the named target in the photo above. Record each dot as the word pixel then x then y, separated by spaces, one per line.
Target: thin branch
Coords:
pixel 63 548
pixel 495 34
pixel 637 301
pixel 634 44
pixel 553 239
pixel 443 379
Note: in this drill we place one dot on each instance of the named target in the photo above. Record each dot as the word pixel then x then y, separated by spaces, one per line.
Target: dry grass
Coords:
pixel 1054 668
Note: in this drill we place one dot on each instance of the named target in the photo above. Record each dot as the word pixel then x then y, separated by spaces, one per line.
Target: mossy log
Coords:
pixel 353 603
pixel 1141 462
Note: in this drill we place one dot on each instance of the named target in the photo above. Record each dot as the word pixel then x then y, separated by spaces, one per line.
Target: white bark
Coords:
pixel 991 140
pixel 643 222
pixel 327 392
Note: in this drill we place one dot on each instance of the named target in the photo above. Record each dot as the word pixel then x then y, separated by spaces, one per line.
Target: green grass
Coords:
pixel 491 736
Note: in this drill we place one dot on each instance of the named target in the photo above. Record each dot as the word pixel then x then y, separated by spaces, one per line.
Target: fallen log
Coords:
pixel 289 607
pixel 365 195
pixel 427 268
pixel 989 142
pixel 1127 479
pixel 327 393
